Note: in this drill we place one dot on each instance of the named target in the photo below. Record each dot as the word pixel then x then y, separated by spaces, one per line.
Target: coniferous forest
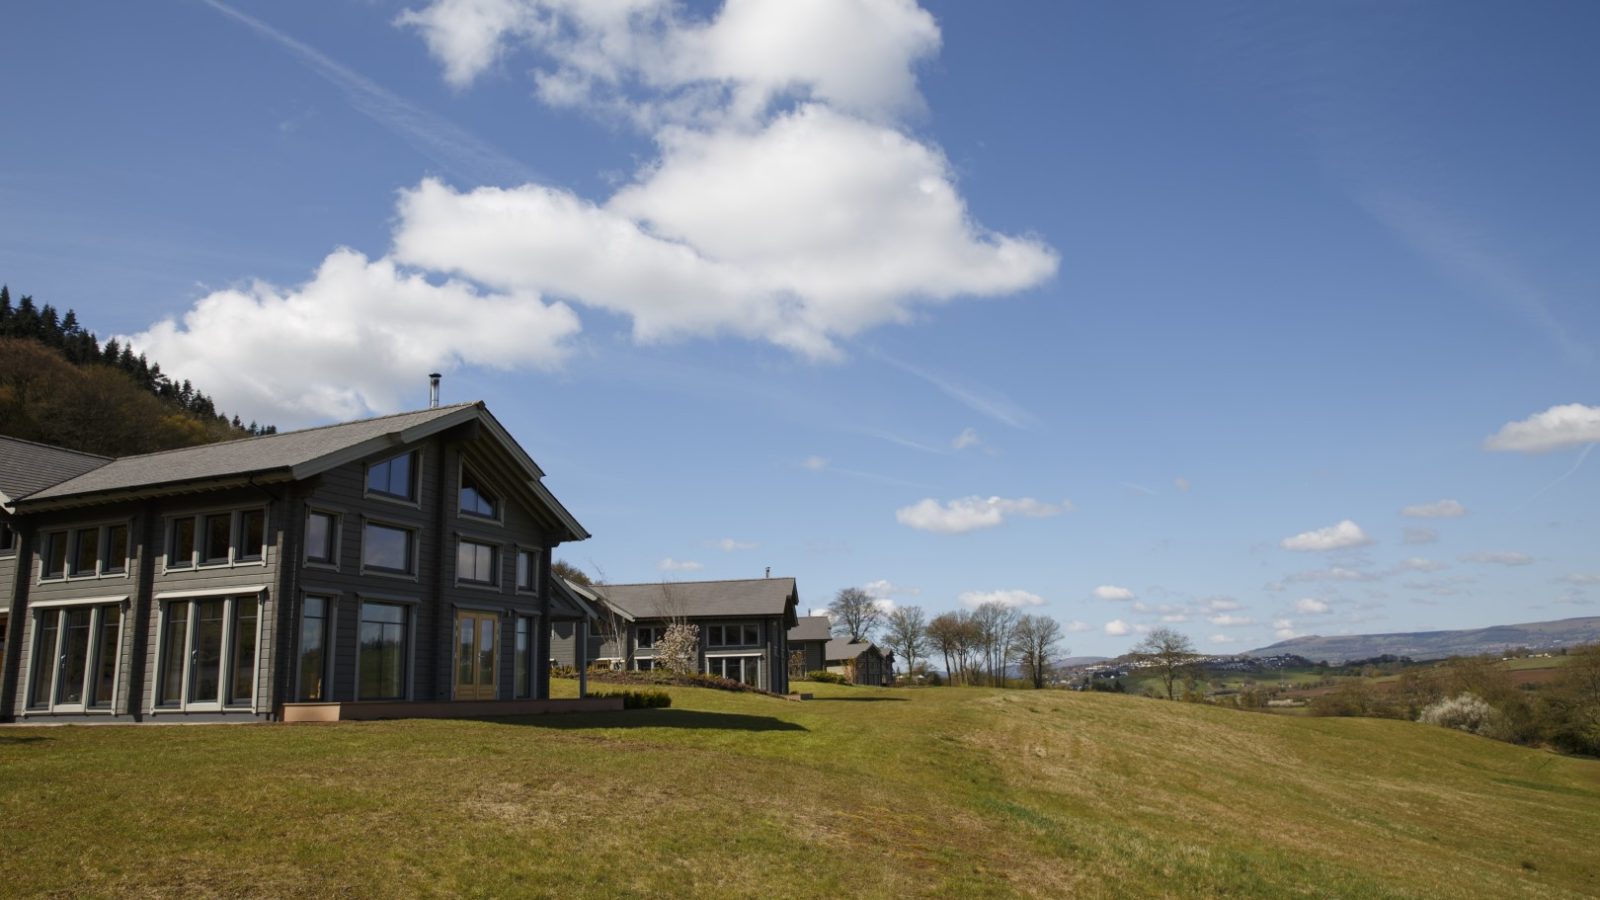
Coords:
pixel 60 385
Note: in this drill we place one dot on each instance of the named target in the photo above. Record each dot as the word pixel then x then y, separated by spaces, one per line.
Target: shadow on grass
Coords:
pixel 653 718
pixel 7 740
pixel 858 700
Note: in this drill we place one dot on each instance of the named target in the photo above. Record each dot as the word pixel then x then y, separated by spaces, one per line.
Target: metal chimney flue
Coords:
pixel 769 572
pixel 433 390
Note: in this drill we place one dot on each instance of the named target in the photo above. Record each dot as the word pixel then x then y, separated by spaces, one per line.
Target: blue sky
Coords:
pixel 1100 309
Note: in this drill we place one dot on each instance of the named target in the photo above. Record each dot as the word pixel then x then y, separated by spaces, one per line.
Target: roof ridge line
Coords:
pixel 706 581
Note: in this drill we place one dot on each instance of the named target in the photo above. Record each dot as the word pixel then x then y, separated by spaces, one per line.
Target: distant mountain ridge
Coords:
pixel 1550 635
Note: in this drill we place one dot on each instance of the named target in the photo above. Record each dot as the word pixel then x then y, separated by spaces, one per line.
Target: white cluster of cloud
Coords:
pixel 972 513
pixel 1334 537
pixel 1077 626
pixel 1226 620
pixel 1310 606
pixel 1112 592
pixel 1117 628
pixel 729 545
pixel 1498 558
pixel 1557 428
pixel 784 204
pixel 1332 573
pixel 884 589
pixel 1283 629
pixel 1443 509
pixel 668 564
pixel 1010 598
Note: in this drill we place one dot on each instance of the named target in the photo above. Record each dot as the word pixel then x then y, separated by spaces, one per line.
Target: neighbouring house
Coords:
pixel 400 560
pixel 808 643
pixel 860 661
pixel 744 625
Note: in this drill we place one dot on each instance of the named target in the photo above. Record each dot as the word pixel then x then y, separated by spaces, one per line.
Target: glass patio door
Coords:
pixel 477 655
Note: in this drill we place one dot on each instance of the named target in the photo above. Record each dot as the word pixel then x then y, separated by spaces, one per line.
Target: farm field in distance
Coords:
pixel 862 792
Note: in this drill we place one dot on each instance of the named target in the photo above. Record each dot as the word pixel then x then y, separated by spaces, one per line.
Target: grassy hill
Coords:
pixel 1440 644
pixel 860 792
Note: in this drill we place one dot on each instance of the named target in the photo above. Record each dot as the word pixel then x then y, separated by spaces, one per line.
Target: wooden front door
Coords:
pixel 477 654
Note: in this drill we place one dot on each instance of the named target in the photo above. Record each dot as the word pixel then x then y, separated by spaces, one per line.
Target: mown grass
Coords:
pixel 859 792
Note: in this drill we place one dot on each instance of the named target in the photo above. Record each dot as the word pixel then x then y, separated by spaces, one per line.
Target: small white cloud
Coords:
pixel 1222 639
pixel 1231 621
pixel 883 589
pixel 1334 537
pixel 1117 628
pixel 1181 483
pixel 729 545
pixel 1334 573
pixel 967 438
pixel 1310 606
pixel 1556 428
pixel 1221 604
pixel 1011 598
pixel 815 463
pixel 1498 558
pixel 678 565
pixel 1112 592
pixel 1421 536
pixel 972 513
pixel 1284 629
pixel 1443 509
pixel 1077 625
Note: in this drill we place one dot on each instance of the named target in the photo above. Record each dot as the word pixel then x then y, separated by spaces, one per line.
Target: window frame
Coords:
pixel 197 554
pixel 335 538
pixel 73 537
pixel 536 560
pixel 412 533
pixel 226 666
pixel 414 500
pixel 463 470
pixel 408 653
pixel 656 633
pixel 91 664
pixel 330 614
pixel 495 560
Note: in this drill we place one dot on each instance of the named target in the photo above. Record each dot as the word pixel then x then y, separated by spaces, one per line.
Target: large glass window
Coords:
pixel 252 534
pixel 393 477
pixel 322 532
pixel 733 635
pixel 313 666
pixel 218 531
pixel 524 657
pixel 477 563
pixel 208 652
pixel 180 544
pixel 55 554
pixel 86 552
pixel 386 548
pixel 477 500
pixel 114 561
pixel 383 652
pixel 75 657
pixel 528 570
pixel 646 636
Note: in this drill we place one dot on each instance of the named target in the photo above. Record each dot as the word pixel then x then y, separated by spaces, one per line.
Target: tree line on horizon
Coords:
pixel 60 385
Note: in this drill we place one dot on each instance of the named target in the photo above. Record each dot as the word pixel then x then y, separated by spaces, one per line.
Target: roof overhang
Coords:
pixel 165 489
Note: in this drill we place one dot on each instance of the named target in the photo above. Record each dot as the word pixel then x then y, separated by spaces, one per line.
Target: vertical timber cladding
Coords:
pixel 444 619
pixel 546 631
pixel 10 682
pixel 287 602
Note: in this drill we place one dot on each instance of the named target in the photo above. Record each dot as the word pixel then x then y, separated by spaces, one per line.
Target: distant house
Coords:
pixel 860 661
pixel 808 642
pixel 398 561
pixel 744 626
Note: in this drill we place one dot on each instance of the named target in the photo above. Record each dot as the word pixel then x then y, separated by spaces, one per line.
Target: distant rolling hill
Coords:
pixel 1440 644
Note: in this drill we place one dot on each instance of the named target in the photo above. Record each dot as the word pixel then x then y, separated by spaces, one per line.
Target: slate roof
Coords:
pixel 246 456
pixel 26 467
pixel 812 628
pixel 702 599
pixel 844 648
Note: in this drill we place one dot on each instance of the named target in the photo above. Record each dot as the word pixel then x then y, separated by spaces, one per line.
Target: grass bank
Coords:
pixel 859 792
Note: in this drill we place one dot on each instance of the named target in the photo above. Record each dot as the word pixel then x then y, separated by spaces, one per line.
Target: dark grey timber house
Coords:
pixel 809 639
pixel 397 560
pixel 744 625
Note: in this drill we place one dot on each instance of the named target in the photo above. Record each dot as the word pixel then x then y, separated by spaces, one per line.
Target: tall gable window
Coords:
pixel 394 477
pixel 477 563
pixel 477 500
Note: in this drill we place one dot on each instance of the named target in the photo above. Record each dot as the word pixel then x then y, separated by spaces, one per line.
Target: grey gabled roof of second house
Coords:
pixel 700 599
pixel 844 648
pixel 27 467
pixel 812 628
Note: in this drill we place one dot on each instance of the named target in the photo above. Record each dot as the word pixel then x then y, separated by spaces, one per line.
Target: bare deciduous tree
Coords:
pixel 995 623
pixel 1034 645
pixel 907 635
pixel 955 635
pixel 855 614
pixel 1169 653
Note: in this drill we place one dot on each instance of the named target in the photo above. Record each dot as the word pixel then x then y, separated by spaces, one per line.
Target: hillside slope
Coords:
pixel 861 792
pixel 1440 644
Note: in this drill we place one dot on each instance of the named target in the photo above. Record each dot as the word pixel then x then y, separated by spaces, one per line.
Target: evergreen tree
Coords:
pixel 111 351
pixel 6 311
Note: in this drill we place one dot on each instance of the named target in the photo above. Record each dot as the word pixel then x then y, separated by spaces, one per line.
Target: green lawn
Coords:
pixel 860 792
